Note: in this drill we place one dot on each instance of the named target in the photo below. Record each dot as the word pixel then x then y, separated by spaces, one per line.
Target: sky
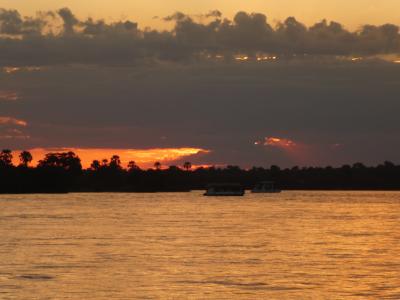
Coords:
pixel 352 13
pixel 226 87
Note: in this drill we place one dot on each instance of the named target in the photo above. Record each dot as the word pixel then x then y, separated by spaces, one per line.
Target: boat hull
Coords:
pixel 224 194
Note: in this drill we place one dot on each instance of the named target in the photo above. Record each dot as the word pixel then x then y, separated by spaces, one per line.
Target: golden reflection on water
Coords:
pixel 296 245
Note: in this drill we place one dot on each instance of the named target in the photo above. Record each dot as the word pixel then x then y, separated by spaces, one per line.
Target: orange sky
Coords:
pixel 145 158
pixel 351 13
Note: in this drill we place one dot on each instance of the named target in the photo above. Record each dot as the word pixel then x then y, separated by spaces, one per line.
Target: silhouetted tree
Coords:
pixel 157 165
pixel 275 171
pixel 58 172
pixel 6 158
pixel 25 158
pixel 95 166
pixel 187 166
pixel 174 169
pixel 132 166
pixel 115 162
pixel 62 172
pixel 389 164
pixel 358 166
pixel 67 161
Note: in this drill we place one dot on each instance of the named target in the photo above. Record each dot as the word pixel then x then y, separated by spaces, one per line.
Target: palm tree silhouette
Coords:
pixel 187 166
pixel 157 165
pixel 25 158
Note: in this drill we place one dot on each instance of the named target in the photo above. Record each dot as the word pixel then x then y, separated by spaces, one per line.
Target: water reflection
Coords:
pixel 296 245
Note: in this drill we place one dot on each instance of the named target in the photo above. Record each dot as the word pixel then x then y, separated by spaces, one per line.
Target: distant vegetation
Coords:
pixel 63 172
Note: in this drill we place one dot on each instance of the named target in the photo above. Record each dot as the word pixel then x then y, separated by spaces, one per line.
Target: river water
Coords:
pixel 295 245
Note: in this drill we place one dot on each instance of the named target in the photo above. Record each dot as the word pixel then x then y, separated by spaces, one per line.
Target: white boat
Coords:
pixel 265 187
pixel 225 189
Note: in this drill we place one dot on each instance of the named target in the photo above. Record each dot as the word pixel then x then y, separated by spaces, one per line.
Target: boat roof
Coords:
pixel 224 185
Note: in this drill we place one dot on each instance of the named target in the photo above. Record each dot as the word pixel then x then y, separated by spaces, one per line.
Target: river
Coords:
pixel 293 245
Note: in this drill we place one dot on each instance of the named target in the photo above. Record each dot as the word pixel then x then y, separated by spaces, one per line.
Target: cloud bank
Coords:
pixel 224 108
pixel 250 92
pixel 59 37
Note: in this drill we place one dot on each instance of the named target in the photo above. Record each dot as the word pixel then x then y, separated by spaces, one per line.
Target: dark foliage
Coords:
pixel 62 172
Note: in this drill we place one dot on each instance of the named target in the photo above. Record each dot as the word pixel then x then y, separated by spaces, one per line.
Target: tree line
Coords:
pixel 63 172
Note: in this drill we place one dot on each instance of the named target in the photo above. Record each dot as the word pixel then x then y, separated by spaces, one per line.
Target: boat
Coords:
pixel 225 189
pixel 265 187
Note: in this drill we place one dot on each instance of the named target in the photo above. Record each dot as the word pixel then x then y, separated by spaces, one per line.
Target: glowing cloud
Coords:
pixel 8 96
pixel 11 70
pixel 14 134
pixel 266 58
pixel 145 158
pixel 188 36
pixel 279 142
pixel 241 57
pixel 12 121
pixel 298 153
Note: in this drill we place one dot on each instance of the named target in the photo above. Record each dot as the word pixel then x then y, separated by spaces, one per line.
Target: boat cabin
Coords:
pixel 265 187
pixel 225 189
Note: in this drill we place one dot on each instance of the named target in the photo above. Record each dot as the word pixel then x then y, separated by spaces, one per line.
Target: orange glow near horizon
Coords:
pixel 241 57
pixel 279 142
pixel 297 152
pixel 144 158
pixel 12 121
pixel 12 69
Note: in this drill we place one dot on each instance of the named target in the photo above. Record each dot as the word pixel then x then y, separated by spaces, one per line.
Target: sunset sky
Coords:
pixel 245 85
pixel 351 13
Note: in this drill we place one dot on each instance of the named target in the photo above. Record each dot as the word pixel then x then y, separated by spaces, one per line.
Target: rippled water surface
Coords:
pixel 296 245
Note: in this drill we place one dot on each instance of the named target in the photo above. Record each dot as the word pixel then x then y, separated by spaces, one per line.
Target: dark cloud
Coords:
pixel 69 20
pixel 214 13
pixel 12 24
pixel 39 41
pixel 178 16
pixel 220 107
